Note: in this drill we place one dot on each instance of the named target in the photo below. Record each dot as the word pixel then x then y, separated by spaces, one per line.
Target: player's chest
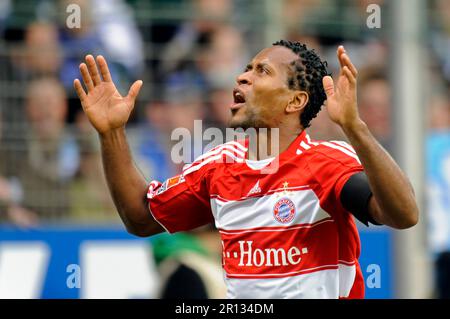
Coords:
pixel 249 200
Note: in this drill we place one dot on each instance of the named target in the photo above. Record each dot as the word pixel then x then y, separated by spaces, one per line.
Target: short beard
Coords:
pixel 250 121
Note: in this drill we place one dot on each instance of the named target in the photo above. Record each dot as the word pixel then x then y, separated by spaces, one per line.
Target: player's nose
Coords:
pixel 243 78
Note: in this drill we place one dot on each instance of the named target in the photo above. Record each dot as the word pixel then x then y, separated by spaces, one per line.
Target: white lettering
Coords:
pixel 294 252
pixel 269 257
pixel 261 258
pixel 246 253
pixel 276 253
pixel 183 309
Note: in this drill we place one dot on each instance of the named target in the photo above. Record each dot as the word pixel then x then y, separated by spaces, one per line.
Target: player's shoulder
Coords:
pixel 226 153
pixel 322 150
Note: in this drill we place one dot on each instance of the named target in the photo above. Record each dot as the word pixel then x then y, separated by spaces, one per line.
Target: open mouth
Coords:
pixel 238 99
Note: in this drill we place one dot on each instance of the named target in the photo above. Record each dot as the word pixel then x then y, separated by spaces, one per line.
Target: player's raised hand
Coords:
pixel 105 108
pixel 341 96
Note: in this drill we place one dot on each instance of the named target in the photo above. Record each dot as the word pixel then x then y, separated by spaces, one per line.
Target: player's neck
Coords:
pixel 267 143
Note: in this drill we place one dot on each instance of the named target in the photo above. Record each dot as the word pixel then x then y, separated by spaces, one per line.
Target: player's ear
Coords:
pixel 297 102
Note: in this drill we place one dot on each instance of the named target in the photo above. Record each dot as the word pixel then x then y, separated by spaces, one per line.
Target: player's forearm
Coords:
pixel 126 184
pixel 395 203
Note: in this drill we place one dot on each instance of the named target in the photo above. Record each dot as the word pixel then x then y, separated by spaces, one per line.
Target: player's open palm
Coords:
pixel 341 96
pixel 105 108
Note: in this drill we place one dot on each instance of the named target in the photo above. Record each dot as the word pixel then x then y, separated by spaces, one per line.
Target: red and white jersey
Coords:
pixel 284 235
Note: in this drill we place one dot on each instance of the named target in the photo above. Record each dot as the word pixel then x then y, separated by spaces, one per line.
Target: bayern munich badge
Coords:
pixel 284 210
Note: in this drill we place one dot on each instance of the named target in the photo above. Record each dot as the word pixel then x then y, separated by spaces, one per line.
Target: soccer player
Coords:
pixel 288 234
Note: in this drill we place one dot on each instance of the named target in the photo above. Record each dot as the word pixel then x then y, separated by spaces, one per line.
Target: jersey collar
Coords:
pixel 300 143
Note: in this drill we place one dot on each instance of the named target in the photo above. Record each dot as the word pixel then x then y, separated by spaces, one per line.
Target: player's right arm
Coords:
pixel 108 112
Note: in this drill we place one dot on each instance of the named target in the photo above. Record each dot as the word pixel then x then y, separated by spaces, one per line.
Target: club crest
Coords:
pixel 284 210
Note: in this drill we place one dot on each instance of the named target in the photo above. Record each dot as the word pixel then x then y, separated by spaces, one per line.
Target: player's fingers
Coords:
pixel 349 64
pixel 86 77
pixel 340 51
pixel 93 71
pixel 104 70
pixel 328 85
pixel 80 91
pixel 134 90
pixel 349 75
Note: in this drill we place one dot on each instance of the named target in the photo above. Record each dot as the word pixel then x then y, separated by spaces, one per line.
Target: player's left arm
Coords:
pixel 393 201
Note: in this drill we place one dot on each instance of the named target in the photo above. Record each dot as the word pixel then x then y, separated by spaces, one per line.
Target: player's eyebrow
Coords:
pixel 258 65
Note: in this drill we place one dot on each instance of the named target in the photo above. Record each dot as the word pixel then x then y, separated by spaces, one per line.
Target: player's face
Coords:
pixel 262 92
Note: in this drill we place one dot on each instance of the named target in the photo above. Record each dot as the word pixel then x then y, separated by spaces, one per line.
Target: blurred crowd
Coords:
pixel 188 53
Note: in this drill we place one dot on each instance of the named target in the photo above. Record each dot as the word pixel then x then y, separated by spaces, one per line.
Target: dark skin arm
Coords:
pixel 108 112
pixel 393 201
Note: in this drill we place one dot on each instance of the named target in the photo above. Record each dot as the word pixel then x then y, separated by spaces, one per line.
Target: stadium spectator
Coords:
pixel 375 104
pixel 88 190
pixel 219 101
pixel 43 54
pixel 440 34
pixel 149 141
pixel 185 105
pixel 11 194
pixel 188 47
pixel 50 158
pixel 323 128
pixel 125 48
pixel 224 58
pixel 40 55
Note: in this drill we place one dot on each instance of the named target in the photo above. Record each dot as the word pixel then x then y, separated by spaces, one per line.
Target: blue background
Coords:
pixel 64 243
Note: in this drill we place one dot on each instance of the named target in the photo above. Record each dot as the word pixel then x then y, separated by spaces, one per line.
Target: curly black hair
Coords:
pixel 307 73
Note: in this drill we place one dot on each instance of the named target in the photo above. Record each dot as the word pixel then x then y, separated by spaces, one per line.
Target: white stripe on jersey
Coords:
pixel 239 145
pixel 339 145
pixel 286 274
pixel 347 275
pixel 272 229
pixel 304 145
pixel 259 211
pixel 345 145
pixel 215 151
pixel 151 213
pixel 308 139
pixel 199 165
pixel 322 284
pixel 271 191
pixel 343 150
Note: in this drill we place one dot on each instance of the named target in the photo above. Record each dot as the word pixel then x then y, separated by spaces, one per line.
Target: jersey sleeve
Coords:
pixel 341 178
pixel 340 175
pixel 332 164
pixel 180 203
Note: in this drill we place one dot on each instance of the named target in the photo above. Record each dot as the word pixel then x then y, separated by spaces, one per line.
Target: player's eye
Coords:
pixel 262 69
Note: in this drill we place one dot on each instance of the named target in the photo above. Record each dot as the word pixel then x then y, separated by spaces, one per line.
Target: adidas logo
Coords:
pixel 255 189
